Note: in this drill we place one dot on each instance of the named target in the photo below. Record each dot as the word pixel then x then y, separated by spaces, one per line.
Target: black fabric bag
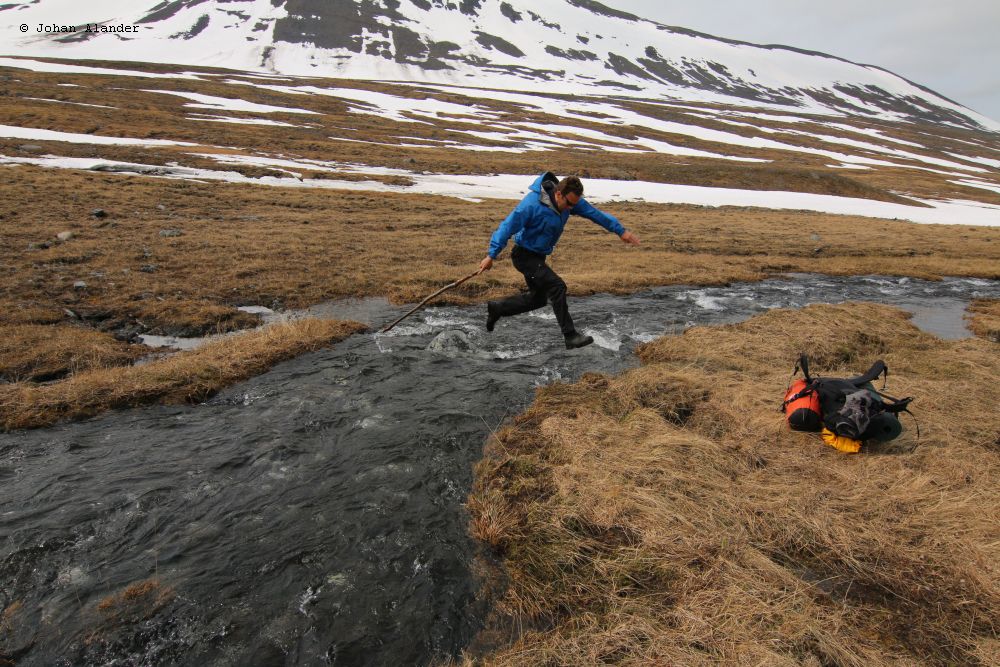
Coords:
pixel 853 408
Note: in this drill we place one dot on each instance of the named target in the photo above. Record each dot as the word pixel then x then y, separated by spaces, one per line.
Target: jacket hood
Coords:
pixel 548 176
pixel 545 185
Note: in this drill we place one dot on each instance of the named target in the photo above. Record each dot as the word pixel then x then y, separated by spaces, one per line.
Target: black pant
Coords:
pixel 543 285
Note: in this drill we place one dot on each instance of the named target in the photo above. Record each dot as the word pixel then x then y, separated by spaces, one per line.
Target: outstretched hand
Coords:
pixel 486 264
pixel 630 238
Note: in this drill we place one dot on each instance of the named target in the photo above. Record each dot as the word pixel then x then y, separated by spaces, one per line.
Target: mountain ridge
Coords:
pixel 553 45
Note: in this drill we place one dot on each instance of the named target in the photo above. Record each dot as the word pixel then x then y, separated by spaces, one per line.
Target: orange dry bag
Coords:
pixel 802 407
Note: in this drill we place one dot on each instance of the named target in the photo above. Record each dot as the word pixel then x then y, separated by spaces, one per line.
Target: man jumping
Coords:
pixel 536 224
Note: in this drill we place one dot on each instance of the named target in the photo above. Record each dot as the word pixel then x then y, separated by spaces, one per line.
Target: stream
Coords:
pixel 314 515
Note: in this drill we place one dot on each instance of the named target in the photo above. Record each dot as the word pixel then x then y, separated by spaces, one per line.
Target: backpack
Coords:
pixel 848 408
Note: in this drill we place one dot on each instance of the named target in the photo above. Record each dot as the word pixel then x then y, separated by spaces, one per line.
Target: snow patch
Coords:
pixel 514 186
pixel 228 103
pixel 12 132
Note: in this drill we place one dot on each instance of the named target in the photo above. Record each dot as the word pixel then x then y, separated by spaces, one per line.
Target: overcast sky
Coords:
pixel 949 46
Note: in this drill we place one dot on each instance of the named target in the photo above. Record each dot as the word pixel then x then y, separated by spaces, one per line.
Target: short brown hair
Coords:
pixel 570 184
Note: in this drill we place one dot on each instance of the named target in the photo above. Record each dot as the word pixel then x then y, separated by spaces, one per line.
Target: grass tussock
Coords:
pixel 985 319
pixel 37 352
pixel 186 377
pixel 667 516
pixel 132 605
pixel 188 317
pixel 23 312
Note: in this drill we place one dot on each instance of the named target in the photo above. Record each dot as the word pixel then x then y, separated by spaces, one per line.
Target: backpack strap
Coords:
pixel 808 389
pixel 915 423
pixel 898 406
pixel 803 363
pixel 878 368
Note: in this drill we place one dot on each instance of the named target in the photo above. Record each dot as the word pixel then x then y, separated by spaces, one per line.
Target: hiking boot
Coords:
pixel 491 316
pixel 577 339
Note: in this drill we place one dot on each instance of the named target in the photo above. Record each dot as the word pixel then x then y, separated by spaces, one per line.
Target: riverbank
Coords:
pixel 184 377
pixel 667 516
pixel 984 319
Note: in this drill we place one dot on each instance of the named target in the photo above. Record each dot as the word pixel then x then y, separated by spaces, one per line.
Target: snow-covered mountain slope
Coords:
pixel 211 124
pixel 568 46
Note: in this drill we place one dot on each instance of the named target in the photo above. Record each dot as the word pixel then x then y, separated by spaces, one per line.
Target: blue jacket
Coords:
pixel 536 224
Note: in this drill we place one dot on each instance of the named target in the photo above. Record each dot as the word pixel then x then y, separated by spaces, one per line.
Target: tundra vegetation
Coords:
pixel 668 516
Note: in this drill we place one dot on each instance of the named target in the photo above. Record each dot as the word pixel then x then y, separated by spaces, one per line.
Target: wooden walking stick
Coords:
pixel 421 304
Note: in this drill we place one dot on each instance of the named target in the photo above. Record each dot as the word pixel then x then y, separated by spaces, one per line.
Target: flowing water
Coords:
pixel 314 514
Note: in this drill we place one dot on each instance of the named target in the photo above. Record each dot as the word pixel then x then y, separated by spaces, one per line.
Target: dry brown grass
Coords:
pixel 184 377
pixel 37 352
pixel 246 245
pixel 667 516
pixel 182 316
pixel 134 604
pixel 149 591
pixel 984 319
